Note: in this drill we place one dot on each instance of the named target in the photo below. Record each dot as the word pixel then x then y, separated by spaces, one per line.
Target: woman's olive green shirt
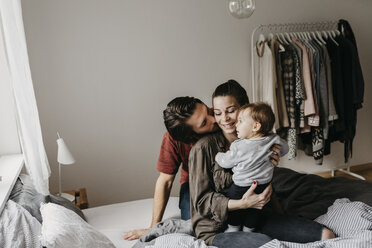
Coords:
pixel 208 184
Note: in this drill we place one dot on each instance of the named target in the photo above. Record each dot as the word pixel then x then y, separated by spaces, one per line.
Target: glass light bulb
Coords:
pixel 241 8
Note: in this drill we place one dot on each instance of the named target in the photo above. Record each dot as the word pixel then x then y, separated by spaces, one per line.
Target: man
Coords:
pixel 186 119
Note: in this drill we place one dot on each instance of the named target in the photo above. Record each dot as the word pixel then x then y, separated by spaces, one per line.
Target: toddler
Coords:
pixel 249 158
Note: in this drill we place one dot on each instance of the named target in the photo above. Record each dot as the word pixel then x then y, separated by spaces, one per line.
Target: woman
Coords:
pixel 209 183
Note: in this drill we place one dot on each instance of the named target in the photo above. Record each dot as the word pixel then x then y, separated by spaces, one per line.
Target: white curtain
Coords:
pixel 29 128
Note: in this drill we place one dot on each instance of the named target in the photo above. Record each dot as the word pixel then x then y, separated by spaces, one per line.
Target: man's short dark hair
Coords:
pixel 178 111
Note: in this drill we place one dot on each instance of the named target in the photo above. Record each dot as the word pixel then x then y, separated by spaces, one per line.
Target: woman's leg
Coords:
pixel 290 228
pixel 240 240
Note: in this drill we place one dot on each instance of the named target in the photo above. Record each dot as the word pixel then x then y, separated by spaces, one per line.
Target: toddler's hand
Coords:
pixel 275 156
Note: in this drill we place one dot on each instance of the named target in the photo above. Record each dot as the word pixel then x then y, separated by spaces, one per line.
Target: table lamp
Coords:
pixel 64 157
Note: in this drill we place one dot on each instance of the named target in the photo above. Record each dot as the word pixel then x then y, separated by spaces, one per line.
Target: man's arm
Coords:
pixel 168 163
pixel 163 188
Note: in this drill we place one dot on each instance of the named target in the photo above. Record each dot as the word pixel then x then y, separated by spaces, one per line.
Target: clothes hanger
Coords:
pixel 316 38
pixel 327 34
pixel 323 33
pixel 281 48
pixel 270 37
pixel 298 32
pixel 279 39
pixel 283 38
pixel 312 36
pixel 294 35
pixel 260 40
pixel 320 38
pixel 289 39
pixel 303 36
pixel 334 41
pixel 332 35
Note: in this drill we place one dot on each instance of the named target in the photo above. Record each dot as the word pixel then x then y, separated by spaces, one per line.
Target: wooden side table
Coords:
pixel 81 199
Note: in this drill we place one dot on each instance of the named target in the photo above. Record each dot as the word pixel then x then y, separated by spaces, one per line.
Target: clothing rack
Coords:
pixel 285 28
pixel 290 28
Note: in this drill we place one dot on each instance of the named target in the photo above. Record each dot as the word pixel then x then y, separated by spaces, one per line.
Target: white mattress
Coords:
pixel 114 220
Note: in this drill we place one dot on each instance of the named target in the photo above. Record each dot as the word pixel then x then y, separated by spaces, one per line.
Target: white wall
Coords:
pixel 103 72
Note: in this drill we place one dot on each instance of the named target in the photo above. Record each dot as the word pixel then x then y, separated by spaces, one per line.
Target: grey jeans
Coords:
pixel 240 240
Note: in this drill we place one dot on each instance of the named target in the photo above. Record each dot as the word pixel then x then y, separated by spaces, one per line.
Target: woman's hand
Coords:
pixel 253 200
pixel 275 156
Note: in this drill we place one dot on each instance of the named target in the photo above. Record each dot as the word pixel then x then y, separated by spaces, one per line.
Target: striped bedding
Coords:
pixel 361 240
pixel 350 221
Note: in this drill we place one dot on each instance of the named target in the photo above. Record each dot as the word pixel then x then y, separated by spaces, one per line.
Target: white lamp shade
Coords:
pixel 64 155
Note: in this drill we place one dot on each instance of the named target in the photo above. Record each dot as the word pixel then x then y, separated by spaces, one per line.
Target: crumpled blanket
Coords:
pixel 309 196
pixel 178 240
pixel 361 240
pixel 18 228
pixel 171 233
pixel 350 221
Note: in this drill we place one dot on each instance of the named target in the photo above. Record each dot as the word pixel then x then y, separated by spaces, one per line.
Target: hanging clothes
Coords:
pixel 332 114
pixel 348 88
pixel 317 88
pixel 300 91
pixel 314 120
pixel 266 76
pixel 282 110
pixel 309 105
pixel 358 80
pixel 288 79
pixel 335 54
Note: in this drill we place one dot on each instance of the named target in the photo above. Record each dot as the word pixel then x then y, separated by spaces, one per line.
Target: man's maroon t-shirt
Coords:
pixel 174 154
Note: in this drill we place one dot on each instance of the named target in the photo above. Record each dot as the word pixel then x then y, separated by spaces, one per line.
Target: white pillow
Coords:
pixel 62 227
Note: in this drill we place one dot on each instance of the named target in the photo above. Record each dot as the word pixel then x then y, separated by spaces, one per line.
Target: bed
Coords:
pixel 303 195
pixel 341 204
pixel 114 220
